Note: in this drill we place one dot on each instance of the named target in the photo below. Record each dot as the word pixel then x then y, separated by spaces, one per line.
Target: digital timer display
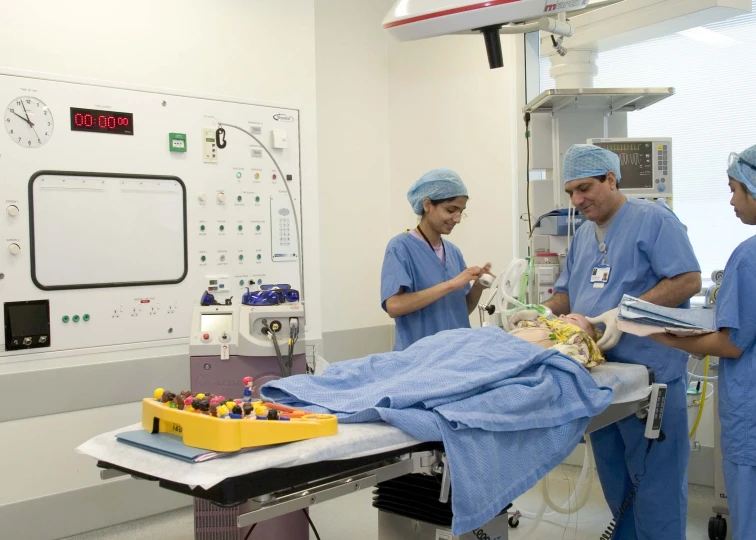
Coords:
pixel 92 120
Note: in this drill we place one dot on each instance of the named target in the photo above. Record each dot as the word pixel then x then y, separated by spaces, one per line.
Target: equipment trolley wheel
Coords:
pixel 717 528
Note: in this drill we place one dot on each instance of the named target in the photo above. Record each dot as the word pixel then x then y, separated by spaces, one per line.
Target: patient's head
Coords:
pixel 581 322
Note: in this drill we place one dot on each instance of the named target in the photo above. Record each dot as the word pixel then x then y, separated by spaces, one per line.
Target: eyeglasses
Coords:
pixel 735 158
pixel 456 214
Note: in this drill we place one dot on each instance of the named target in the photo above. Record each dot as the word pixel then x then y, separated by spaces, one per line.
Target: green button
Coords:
pixel 241 257
pixel 222 228
pixel 259 282
pixel 240 227
pixel 241 282
pixel 86 317
pixel 65 318
pixel 202 227
pixel 238 198
pixel 238 175
pixel 75 318
pixel 257 228
pixel 259 256
pixel 203 258
pixel 257 199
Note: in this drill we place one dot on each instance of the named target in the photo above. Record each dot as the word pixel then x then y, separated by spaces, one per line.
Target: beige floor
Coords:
pixel 353 517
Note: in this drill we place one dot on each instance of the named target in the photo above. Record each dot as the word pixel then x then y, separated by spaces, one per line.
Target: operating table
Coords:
pixel 271 482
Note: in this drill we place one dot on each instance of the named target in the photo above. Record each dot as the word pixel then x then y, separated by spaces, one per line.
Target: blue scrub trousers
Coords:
pixel 740 481
pixel 659 509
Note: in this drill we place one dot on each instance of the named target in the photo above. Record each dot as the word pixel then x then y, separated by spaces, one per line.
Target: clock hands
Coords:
pixel 24 119
pixel 30 122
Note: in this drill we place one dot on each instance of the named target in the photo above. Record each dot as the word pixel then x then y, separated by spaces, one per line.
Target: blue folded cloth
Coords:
pixel 507 411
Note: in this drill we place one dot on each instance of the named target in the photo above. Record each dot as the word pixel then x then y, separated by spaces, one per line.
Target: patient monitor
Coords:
pixel 645 165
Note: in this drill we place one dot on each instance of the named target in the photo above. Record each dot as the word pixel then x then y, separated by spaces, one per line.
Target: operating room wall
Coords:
pixel 250 49
pixel 387 112
pixel 353 166
pixel 448 109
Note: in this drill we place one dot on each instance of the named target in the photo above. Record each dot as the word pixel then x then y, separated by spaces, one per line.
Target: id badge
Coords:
pixel 600 276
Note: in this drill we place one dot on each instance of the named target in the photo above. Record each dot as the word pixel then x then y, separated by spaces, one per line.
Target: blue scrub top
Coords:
pixel 645 244
pixel 737 378
pixel 411 263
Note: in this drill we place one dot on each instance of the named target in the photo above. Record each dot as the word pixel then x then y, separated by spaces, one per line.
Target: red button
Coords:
pixel 274 177
pixel 206 336
pixel 551 291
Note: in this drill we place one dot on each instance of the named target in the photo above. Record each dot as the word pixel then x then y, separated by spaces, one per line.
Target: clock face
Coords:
pixel 28 122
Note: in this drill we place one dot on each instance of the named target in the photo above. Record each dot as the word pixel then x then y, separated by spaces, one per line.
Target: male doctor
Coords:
pixel 639 248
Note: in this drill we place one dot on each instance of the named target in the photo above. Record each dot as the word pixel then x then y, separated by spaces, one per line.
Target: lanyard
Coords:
pixel 601 245
pixel 429 244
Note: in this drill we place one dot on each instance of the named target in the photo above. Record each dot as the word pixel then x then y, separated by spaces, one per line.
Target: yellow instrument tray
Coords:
pixel 231 435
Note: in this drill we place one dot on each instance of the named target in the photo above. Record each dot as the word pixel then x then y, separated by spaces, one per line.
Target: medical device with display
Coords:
pixel 645 164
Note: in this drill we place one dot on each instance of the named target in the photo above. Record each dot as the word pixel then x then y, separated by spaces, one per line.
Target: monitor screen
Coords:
pixel 636 163
pixel 216 322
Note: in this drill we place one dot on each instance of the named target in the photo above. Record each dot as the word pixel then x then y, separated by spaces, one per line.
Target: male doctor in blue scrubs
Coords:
pixel 639 248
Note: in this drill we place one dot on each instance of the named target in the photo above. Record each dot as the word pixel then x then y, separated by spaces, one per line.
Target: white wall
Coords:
pixel 353 159
pixel 448 109
pixel 253 49
pixel 387 112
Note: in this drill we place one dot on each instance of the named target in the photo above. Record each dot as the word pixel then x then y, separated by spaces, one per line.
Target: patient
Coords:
pixel 570 334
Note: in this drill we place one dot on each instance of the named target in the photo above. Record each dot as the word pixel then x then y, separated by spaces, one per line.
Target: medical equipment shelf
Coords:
pixel 231 435
pixel 240 489
pixel 607 99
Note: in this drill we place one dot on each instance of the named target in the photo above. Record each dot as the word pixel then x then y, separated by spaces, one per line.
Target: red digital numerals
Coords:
pixel 102 121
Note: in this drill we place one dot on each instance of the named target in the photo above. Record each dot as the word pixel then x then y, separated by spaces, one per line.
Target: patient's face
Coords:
pixel 581 322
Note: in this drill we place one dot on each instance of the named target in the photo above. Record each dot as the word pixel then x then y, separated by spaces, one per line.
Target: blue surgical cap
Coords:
pixel 436 185
pixel 744 169
pixel 589 161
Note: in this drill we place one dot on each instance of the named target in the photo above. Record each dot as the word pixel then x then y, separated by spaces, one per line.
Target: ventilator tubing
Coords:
pixel 575 502
pixel 514 278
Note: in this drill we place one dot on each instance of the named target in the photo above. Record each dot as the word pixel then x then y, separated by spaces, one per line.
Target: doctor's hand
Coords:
pixel 466 276
pixel 486 278
pixel 612 334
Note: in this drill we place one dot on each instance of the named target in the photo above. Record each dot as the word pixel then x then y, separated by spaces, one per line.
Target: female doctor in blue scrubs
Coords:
pixel 735 345
pixel 640 248
pixel 425 283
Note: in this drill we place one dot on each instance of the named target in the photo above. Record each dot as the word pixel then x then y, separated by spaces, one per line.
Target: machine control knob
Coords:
pixel 14 249
pixel 13 210
pixel 221 197
pixel 661 187
pixel 202 197
pixel 224 337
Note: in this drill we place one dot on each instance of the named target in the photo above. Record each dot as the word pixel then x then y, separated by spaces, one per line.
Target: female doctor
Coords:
pixel 735 345
pixel 425 283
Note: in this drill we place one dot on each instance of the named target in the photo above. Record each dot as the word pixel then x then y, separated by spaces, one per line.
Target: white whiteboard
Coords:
pixel 92 230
